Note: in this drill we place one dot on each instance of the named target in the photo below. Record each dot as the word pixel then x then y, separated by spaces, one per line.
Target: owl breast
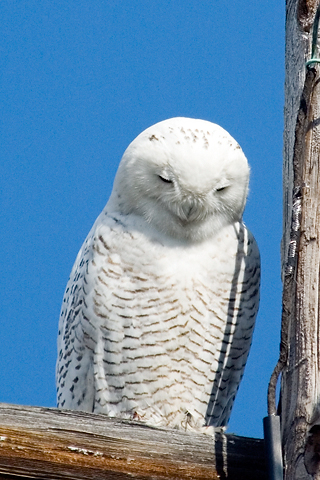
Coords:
pixel 164 330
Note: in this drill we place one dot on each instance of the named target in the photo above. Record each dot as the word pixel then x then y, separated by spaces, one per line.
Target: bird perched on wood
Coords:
pixel 158 314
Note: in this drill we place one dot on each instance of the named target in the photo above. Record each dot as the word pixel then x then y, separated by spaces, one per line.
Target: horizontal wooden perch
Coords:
pixel 47 443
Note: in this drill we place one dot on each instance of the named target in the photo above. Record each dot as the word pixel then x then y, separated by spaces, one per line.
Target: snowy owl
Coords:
pixel 158 314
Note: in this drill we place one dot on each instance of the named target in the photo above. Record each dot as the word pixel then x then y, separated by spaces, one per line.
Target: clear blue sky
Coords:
pixel 79 80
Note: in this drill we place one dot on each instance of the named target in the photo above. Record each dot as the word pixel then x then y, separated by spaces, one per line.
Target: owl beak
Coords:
pixel 188 208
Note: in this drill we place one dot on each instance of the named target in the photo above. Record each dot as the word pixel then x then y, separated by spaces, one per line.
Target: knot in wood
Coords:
pixel 312 451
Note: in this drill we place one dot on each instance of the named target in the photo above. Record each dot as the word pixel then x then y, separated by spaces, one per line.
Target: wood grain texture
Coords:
pixel 41 443
pixel 300 381
pixel 297 49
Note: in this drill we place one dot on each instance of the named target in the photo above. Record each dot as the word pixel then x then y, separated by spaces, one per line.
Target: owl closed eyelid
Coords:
pixel 164 179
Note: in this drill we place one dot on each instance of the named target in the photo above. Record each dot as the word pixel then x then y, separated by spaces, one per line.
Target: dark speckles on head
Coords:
pixel 193 135
pixel 153 137
pixel 205 141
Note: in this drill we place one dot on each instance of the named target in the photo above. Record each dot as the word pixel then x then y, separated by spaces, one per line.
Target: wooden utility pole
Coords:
pixel 300 386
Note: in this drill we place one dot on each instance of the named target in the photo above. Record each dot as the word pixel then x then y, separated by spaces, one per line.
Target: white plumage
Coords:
pixel 158 314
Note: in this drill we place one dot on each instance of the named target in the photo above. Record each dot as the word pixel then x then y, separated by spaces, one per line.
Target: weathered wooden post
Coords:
pixel 41 443
pixel 300 346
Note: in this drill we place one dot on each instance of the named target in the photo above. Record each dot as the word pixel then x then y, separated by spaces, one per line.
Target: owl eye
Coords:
pixel 220 189
pixel 165 180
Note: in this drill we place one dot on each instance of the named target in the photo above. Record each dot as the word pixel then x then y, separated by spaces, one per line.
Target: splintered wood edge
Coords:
pixel 43 443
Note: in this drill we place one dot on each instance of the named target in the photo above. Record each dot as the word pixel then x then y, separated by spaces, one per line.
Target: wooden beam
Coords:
pixel 43 443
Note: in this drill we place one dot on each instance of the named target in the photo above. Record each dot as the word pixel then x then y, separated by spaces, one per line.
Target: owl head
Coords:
pixel 187 178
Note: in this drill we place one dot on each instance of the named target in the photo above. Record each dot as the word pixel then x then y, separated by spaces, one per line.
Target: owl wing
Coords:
pixel 74 370
pixel 242 308
pixel 92 326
